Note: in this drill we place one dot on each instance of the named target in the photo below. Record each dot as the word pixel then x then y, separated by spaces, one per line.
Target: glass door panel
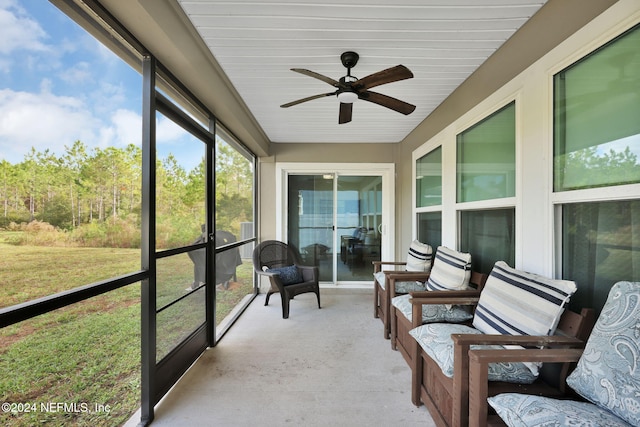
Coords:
pixel 310 213
pixel 358 219
pixel 234 218
pixel 180 254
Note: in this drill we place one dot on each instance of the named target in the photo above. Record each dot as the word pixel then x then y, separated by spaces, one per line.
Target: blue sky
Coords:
pixel 58 85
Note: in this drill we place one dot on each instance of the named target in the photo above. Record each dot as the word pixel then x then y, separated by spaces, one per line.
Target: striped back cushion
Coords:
pixel 419 257
pixel 451 270
pixel 518 303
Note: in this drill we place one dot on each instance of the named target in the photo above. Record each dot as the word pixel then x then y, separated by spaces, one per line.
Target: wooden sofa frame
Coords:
pixel 382 297
pixel 447 399
pixel 400 325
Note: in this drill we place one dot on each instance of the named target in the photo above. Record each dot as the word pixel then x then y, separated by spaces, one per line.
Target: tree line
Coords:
pixel 90 194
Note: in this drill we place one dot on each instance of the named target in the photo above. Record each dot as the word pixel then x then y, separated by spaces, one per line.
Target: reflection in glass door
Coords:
pixel 335 222
pixel 358 222
pixel 310 220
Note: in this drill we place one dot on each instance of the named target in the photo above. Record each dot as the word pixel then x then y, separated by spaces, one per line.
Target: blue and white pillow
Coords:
pixel 522 410
pixel 608 372
pixel 515 302
pixel 419 257
pixel 451 270
pixel 289 275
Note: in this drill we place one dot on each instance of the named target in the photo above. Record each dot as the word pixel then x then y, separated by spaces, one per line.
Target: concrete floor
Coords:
pixel 328 367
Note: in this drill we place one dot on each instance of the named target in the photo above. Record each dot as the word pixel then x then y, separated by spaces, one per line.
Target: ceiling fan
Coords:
pixel 349 88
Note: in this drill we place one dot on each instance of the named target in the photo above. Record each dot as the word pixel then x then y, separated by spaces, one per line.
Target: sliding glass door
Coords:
pixel 336 222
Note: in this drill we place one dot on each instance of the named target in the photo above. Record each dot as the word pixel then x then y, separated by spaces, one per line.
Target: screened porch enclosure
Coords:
pixel 125 245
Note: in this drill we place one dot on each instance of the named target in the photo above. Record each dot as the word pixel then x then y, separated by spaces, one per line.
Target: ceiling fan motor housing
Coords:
pixel 349 59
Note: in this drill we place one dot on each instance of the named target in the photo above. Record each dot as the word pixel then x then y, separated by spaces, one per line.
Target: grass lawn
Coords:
pixel 81 365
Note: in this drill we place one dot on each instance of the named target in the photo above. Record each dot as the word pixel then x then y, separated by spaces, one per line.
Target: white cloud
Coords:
pixel 41 121
pixel 127 127
pixel 18 31
pixel 78 74
pixel 167 131
pixel 48 121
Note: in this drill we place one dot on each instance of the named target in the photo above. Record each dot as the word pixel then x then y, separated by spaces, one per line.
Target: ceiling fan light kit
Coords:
pixel 348 97
pixel 349 89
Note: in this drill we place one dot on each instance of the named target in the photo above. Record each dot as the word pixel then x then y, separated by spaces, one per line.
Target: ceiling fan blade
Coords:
pixel 387 101
pixel 393 74
pixel 315 75
pixel 308 98
pixel 345 113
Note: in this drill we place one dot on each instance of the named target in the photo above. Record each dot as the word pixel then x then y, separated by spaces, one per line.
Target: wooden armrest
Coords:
pixel 388 262
pixel 377 265
pixel 522 340
pixel 407 275
pixel 479 361
pixel 418 299
pixel 404 276
pixel 471 293
pixel 554 355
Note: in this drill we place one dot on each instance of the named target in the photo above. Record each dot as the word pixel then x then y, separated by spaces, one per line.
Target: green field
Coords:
pixel 81 365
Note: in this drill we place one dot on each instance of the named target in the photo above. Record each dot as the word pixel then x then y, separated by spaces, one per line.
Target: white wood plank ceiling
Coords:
pixel 442 42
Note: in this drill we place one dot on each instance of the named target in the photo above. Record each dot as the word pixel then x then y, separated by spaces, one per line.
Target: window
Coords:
pixel 600 246
pixel 71 195
pixel 429 198
pixel 486 172
pixel 429 179
pixel 486 158
pixel 430 228
pixel 234 217
pixel 489 236
pixel 596 147
pixel 597 117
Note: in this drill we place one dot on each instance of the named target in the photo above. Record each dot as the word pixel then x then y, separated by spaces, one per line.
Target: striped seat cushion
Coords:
pixel 419 257
pixel 515 302
pixel 451 270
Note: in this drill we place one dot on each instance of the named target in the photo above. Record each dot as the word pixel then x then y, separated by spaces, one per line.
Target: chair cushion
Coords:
pixel 521 410
pixel 608 373
pixel 433 312
pixel 435 340
pixel 419 257
pixel 451 270
pixel 289 275
pixel 401 287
